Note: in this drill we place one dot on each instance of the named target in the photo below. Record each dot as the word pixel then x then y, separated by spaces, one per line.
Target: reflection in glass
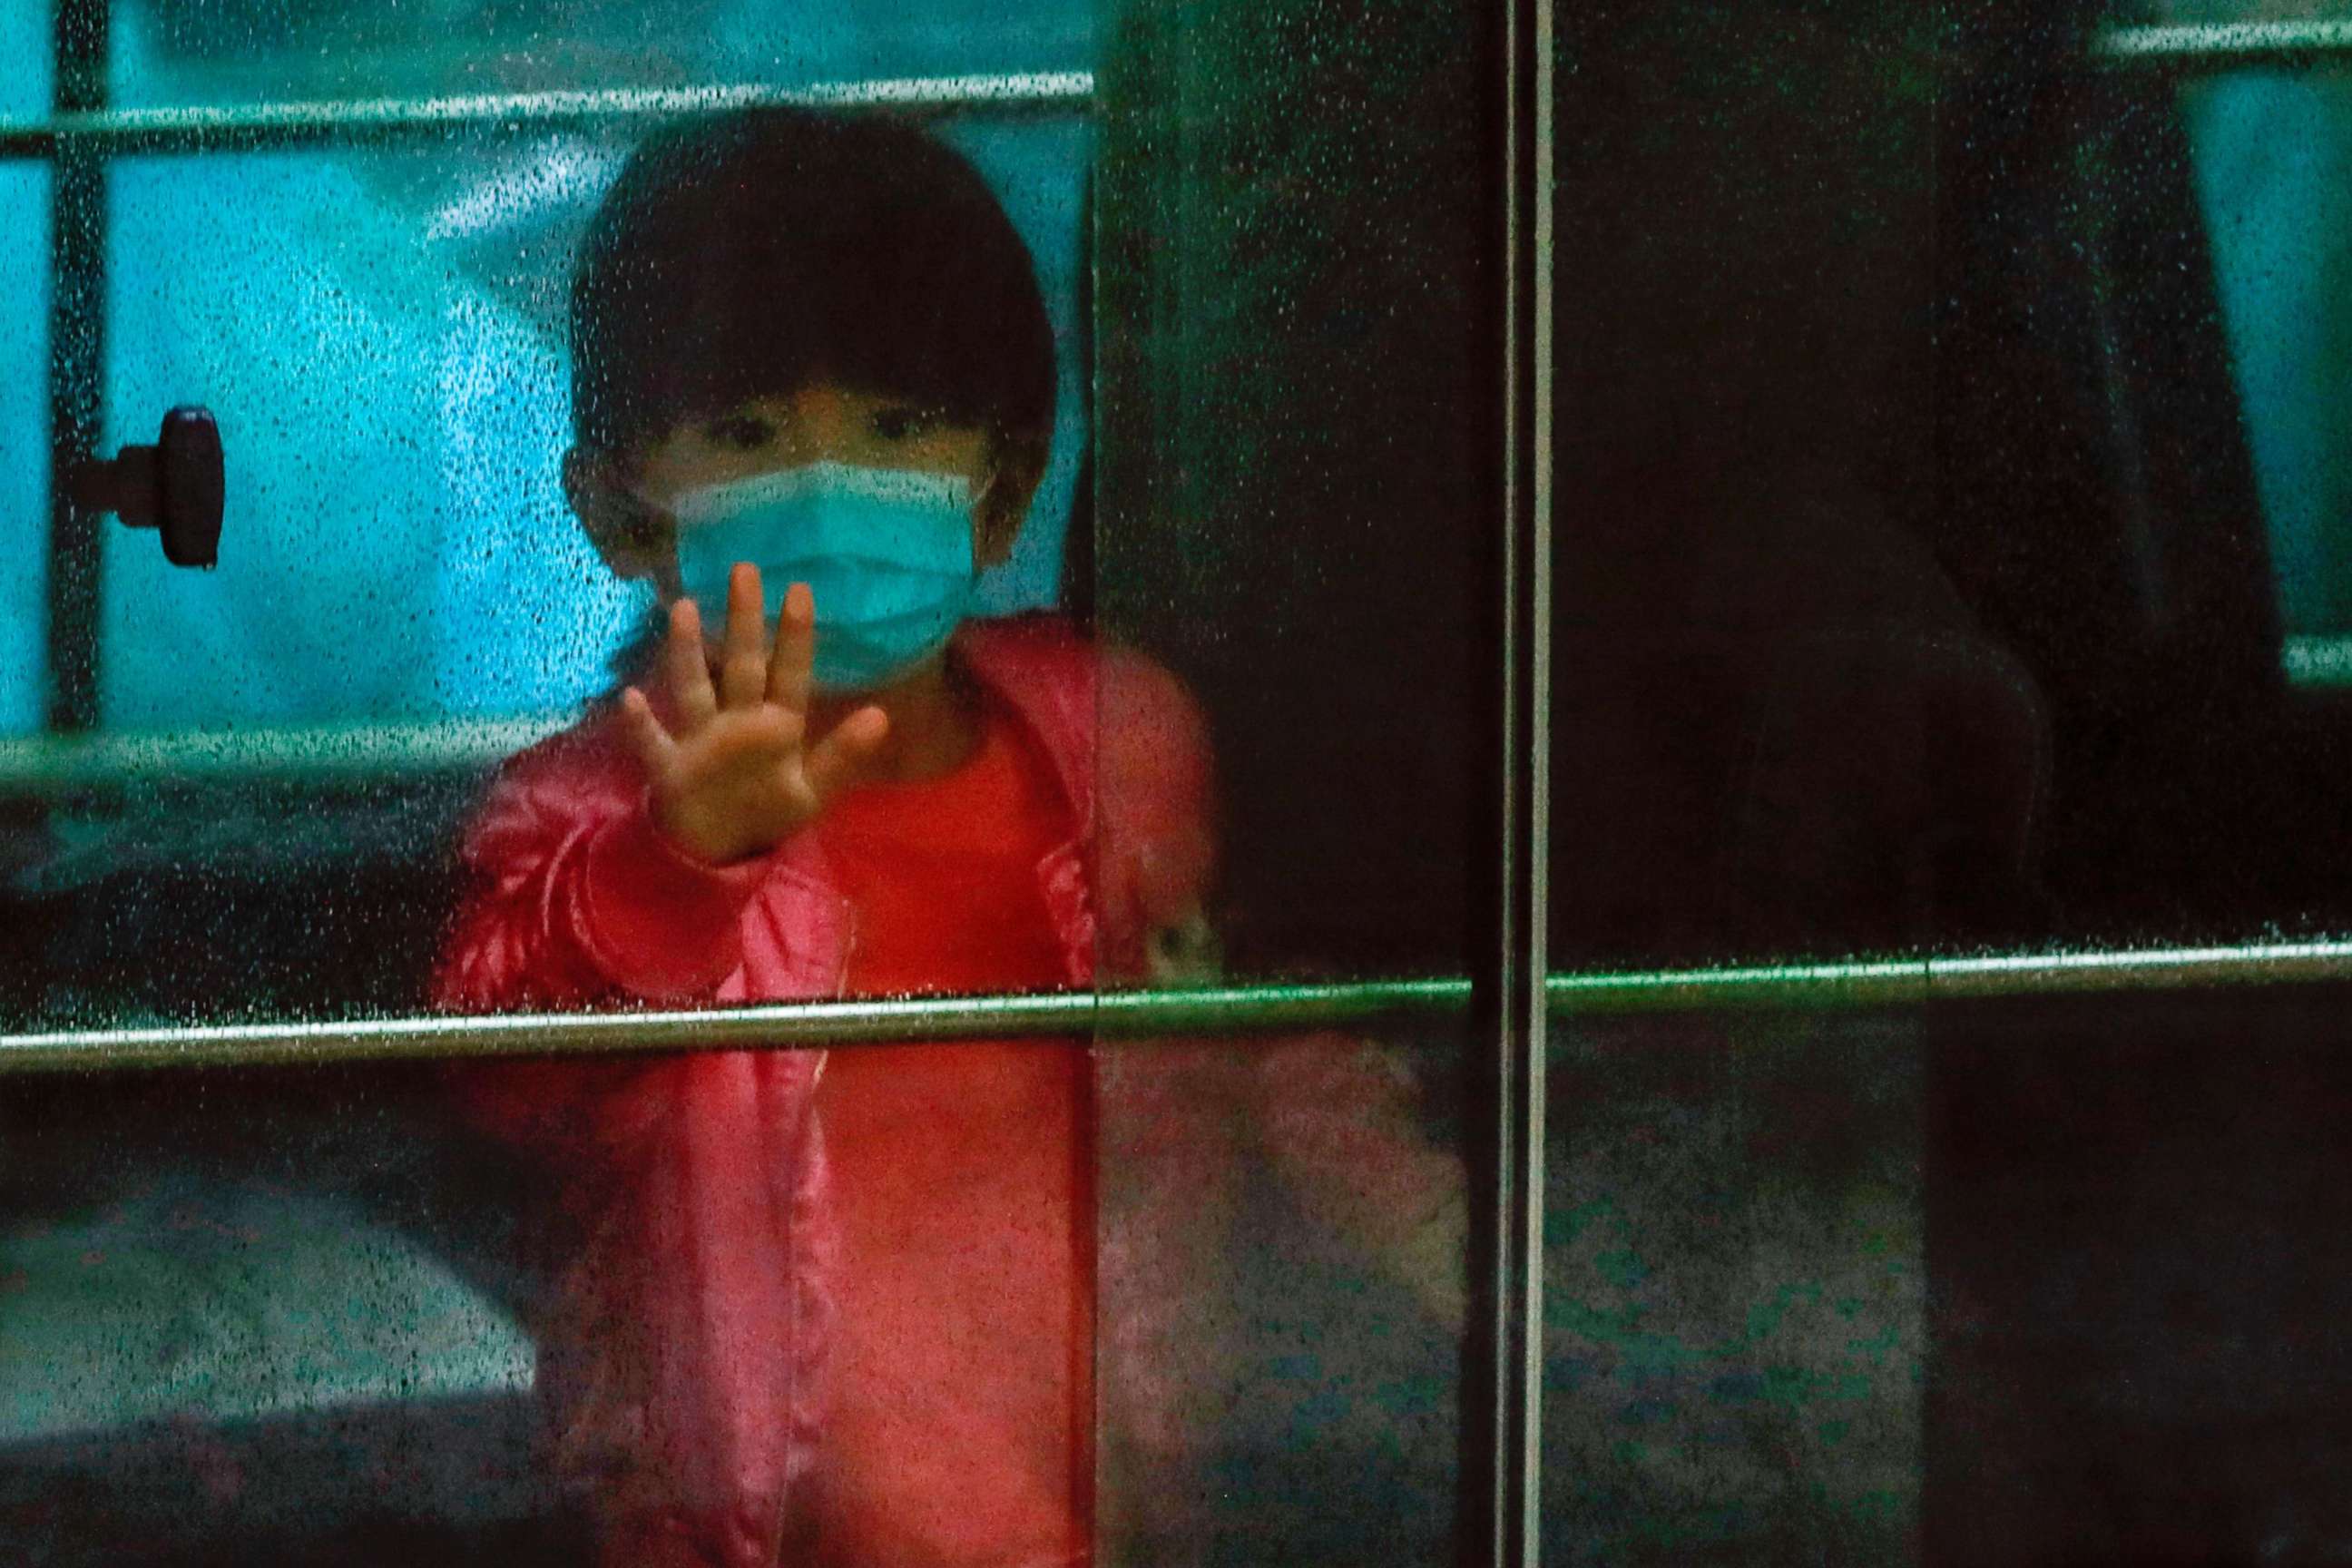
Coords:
pixel 383 349
pixel 1297 384
pixel 808 422
pixel 1298 379
pixel 1923 591
pixel 1239 1263
pixel 1735 1334
pixel 2136 1223
pixel 1283 1279
pixel 262 1317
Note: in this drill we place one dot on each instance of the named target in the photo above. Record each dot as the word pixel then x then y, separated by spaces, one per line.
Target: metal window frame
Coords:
pixel 76 363
pixel 1509 1339
pixel 1238 1011
pixel 347 122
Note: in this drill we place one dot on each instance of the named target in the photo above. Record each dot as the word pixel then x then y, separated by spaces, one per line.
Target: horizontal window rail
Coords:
pixel 2225 46
pixel 2200 46
pixel 1190 1013
pixel 344 122
pixel 67 764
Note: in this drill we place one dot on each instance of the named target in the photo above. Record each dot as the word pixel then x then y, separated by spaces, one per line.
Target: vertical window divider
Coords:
pixel 78 200
pixel 1514 1244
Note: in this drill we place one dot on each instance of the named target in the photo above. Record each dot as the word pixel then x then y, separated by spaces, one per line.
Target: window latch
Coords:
pixel 175 487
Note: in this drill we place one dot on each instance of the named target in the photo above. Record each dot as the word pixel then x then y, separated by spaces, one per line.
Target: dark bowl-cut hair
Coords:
pixel 759 253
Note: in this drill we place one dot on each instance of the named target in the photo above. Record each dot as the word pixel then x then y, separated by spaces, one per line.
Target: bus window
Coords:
pixel 1942 571
pixel 1084 1041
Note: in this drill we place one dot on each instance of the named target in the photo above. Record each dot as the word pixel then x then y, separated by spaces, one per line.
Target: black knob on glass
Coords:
pixel 175 487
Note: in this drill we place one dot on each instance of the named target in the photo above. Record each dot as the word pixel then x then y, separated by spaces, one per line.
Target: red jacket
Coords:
pixel 681 1361
pixel 682 1364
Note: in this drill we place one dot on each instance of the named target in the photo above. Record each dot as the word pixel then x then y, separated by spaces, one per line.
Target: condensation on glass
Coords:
pixel 264 1318
pixel 1947 566
pixel 24 506
pixel 1953 566
pixel 1297 292
pixel 320 1312
pixel 1297 385
pixel 1736 1324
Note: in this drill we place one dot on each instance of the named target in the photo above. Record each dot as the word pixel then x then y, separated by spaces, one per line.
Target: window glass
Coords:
pixel 1756 654
pixel 1930 493
pixel 24 442
pixel 392 434
pixel 1284 1291
pixel 280 1318
pixel 2136 1249
pixel 1944 468
pixel 2272 151
pixel 2270 147
pixel 398 520
pixel 2113 1217
pixel 1191 1293
pixel 1735 1290
pixel 25 35
pixel 312 1313
pixel 1298 383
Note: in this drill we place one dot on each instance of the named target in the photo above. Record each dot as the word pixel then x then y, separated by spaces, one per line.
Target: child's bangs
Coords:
pixel 884 330
pixel 781 249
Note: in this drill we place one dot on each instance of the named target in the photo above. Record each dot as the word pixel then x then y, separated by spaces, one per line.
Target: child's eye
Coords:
pixel 904 422
pixel 740 432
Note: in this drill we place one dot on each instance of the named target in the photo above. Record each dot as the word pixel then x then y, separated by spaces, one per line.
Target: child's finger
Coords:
pixel 648 742
pixel 688 667
pixel 743 665
pixel 835 762
pixel 788 665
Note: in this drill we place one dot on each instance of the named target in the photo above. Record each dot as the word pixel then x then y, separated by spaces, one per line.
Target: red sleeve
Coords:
pixel 578 902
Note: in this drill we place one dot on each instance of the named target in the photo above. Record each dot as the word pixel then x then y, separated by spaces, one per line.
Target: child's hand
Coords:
pixel 737 774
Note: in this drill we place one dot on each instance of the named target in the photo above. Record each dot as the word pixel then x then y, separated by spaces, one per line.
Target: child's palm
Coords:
pixel 734 772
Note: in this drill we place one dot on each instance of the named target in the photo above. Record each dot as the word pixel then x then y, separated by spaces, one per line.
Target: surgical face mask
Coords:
pixel 885 553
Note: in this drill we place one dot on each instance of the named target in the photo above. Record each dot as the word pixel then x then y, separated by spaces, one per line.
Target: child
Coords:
pixel 813 386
